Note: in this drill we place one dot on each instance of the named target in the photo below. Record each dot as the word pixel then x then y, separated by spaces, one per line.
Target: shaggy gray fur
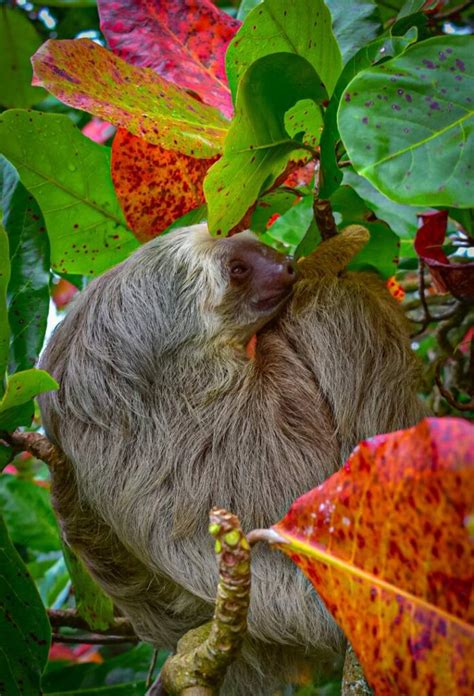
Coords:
pixel 162 416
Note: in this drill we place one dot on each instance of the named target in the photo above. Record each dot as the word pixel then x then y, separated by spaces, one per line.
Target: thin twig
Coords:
pixel 151 669
pixel 69 618
pixel 453 11
pixel 445 392
pixel 93 639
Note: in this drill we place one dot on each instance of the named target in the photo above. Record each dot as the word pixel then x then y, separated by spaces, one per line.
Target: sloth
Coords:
pixel 163 412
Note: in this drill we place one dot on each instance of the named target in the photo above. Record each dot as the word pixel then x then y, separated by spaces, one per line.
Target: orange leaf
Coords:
pixel 154 186
pixel 386 544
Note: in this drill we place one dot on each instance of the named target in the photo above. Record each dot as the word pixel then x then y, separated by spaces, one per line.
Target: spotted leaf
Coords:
pixel 183 40
pixel 155 186
pixel 385 543
pixel 408 124
pixel 87 76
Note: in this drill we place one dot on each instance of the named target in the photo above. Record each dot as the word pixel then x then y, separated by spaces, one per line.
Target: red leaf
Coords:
pixel 456 278
pixel 154 186
pixel 62 293
pixel 98 130
pixel 386 544
pixel 183 40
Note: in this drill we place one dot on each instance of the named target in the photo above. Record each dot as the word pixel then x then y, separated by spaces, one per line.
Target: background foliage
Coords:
pixel 313 116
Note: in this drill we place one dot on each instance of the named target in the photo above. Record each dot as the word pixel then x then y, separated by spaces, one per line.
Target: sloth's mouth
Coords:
pixel 271 301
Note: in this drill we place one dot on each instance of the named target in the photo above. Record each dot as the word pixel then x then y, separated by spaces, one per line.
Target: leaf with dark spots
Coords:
pixel 274 26
pixel 258 148
pixel 184 41
pixel 28 289
pixel 448 276
pixel 354 24
pixel 16 407
pixel 18 41
pixel 422 152
pixel 70 177
pixel 134 98
pixel 154 186
pixel 25 633
pixel 386 545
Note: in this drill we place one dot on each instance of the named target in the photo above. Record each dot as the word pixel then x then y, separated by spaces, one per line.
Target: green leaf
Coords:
pixel 380 254
pixel 18 41
pixel 330 174
pixel 25 633
pixel 89 77
pixel 354 24
pixel 70 177
pixel 24 386
pixel 55 584
pixel 276 26
pixel 28 514
pixel 289 230
pixel 6 455
pixel 415 140
pixel 245 7
pixel 4 326
pixel 258 148
pixel 131 689
pixel 28 289
pixel 91 602
pixel 402 219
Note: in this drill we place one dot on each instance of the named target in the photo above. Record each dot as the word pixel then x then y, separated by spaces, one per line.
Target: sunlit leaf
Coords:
pixel 4 327
pixel 258 148
pixel 28 289
pixel 69 176
pixel 354 24
pixel 408 124
pixel 24 386
pixel 155 186
pixel 18 41
pixel 386 545
pixel 184 41
pixel 24 627
pixel 274 26
pixel 87 76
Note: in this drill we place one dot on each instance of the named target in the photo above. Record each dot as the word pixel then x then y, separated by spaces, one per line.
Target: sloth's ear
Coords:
pixel 335 253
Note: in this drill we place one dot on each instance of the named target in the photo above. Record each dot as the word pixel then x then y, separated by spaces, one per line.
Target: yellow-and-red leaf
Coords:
pixel 386 543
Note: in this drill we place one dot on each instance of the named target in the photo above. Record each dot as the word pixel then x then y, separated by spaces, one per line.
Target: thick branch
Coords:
pixel 324 218
pixel 38 445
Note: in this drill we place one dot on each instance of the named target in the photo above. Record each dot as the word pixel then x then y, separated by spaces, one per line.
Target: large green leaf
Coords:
pixel 4 327
pixel 85 75
pixel 258 147
pixel 408 124
pixel 70 177
pixel 18 41
pixel 300 28
pixel 25 633
pixel 354 23
pixel 330 175
pixel 92 603
pixel 16 406
pixel 28 289
pixel 28 514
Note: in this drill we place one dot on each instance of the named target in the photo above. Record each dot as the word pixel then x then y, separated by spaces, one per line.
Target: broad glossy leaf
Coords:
pixel 276 26
pixel 6 456
pixel 28 289
pixel 354 24
pixel 24 386
pixel 290 228
pixel 28 514
pixel 381 252
pixel 18 41
pixel 91 601
pixel 401 218
pixel 448 276
pixel 258 148
pixel 408 124
pixel 330 175
pixel 184 41
pixel 385 543
pixel 25 634
pixel 87 76
pixel 69 176
pixel 154 186
pixel 52 580
pixel 4 326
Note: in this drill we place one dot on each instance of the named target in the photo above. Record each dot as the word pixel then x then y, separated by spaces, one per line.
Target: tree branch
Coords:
pixel 69 618
pixel 93 639
pixel 324 218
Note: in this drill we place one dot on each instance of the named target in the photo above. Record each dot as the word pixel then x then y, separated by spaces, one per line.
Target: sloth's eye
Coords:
pixel 238 269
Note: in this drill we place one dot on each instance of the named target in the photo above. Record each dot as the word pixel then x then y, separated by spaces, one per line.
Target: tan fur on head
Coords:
pixel 162 417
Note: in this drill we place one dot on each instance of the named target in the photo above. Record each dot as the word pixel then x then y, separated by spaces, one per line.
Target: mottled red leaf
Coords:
pixel 87 76
pixel 386 544
pixel 183 40
pixel 456 278
pixel 98 130
pixel 154 186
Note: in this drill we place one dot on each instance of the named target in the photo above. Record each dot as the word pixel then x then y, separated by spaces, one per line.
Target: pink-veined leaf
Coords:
pixel 183 40
pixel 89 77
pixel 386 543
